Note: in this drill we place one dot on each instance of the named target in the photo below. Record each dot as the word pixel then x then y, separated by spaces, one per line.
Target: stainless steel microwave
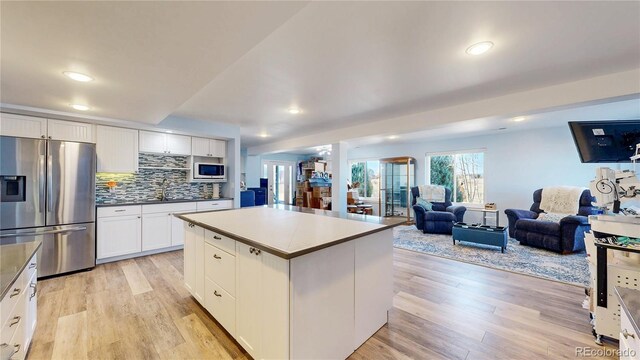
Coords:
pixel 213 171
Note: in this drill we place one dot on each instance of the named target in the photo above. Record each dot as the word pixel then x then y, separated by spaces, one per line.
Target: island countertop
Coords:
pixel 630 303
pixel 289 231
pixel 13 259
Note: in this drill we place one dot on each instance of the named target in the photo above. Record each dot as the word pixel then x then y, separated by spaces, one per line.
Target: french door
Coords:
pixel 281 176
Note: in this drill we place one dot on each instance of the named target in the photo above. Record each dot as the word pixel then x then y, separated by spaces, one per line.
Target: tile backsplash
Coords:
pixel 147 183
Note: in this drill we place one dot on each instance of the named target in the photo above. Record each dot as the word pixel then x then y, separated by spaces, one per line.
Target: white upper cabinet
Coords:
pixel 159 143
pixel 178 144
pixel 23 126
pixel 117 149
pixel 40 128
pixel 208 147
pixel 70 131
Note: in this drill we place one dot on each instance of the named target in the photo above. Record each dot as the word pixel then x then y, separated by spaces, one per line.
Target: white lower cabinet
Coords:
pixel 629 339
pixel 19 314
pixel 134 230
pixel 118 235
pixel 156 231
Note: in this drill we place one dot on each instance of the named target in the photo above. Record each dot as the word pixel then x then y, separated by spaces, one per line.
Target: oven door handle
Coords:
pixel 47 232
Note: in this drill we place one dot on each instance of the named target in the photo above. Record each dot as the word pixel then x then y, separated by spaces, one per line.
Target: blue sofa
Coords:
pixel 564 237
pixel 441 219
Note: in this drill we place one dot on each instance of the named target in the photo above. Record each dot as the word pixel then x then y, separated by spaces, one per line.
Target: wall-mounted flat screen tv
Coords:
pixel 611 141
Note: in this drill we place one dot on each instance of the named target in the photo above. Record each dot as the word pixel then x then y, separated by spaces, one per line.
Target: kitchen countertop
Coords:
pixel 151 202
pixel 13 259
pixel 630 304
pixel 289 231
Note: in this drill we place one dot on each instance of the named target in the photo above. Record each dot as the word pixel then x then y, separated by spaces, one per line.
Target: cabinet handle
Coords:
pixel 16 349
pixel 32 265
pixel 216 293
pixel 215 256
pixel 217 237
pixel 49 137
pixel 191 225
pixel 15 321
pixel 251 250
pixel 42 136
pixel 121 210
pixel 258 251
pixel 627 334
pixel 34 286
pixel 138 217
pixel 15 292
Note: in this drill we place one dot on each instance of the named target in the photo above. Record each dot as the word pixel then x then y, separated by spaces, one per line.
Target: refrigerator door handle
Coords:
pixel 49 182
pixel 41 182
pixel 37 233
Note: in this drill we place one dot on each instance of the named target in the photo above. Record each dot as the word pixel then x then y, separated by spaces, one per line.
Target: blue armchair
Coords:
pixel 441 219
pixel 564 237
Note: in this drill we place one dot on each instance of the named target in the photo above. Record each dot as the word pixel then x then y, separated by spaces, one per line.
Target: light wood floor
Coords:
pixel 443 309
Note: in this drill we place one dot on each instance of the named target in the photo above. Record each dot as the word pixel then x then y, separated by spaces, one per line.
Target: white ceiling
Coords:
pixel 147 57
pixel 245 63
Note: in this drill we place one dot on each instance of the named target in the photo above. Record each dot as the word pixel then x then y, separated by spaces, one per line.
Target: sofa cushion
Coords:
pixel 538 226
pixel 439 216
pixel 553 217
pixel 424 203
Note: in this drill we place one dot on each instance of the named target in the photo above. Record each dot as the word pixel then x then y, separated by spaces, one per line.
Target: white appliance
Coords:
pixel 209 171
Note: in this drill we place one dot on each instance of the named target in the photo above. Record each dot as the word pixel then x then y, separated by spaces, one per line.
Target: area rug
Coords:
pixel 572 269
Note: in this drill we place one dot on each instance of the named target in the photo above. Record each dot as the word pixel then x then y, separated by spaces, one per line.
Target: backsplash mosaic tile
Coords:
pixel 147 183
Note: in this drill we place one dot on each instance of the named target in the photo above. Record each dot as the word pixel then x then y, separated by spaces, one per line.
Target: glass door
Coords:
pixel 280 176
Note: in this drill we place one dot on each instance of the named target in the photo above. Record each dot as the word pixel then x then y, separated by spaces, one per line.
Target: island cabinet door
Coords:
pixel 262 303
pixel 193 239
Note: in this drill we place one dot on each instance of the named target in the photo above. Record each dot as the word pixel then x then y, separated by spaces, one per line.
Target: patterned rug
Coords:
pixel 517 258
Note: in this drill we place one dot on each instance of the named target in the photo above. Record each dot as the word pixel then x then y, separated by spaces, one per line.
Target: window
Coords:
pixel 462 172
pixel 367 174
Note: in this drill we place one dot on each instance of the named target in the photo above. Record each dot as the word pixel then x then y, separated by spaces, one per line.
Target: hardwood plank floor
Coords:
pixel 442 309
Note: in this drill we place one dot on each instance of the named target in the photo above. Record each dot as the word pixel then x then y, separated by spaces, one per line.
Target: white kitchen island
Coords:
pixel 289 284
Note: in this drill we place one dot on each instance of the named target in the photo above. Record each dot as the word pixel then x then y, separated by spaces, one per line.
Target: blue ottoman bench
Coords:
pixel 480 234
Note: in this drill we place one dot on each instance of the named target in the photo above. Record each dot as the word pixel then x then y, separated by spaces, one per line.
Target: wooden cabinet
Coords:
pixel 119 234
pixel 70 131
pixel 23 126
pixel 159 143
pixel 117 149
pixel 208 147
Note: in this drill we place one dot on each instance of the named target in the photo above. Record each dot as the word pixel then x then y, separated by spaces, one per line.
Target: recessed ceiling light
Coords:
pixel 80 107
pixel 519 118
pixel 479 48
pixel 294 110
pixel 169 132
pixel 263 135
pixel 77 76
pixel 392 137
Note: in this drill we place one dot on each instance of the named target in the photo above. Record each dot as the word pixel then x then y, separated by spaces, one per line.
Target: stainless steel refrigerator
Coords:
pixel 47 193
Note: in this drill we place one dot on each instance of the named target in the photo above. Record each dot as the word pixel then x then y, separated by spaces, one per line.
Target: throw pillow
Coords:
pixel 553 217
pixel 424 204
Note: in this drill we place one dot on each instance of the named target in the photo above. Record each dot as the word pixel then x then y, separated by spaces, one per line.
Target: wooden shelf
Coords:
pixel 161 168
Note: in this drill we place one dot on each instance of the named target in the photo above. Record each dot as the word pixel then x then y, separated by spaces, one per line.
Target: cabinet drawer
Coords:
pixel 13 297
pixel 169 208
pixel 17 345
pixel 119 211
pixel 32 267
pixel 214 205
pixel 14 321
pixel 632 340
pixel 221 305
pixel 220 267
pixel 220 241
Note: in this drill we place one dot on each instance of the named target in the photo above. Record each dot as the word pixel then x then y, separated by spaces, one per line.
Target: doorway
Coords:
pixel 281 177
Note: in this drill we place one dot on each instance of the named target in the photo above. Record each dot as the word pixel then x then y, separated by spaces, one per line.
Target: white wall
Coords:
pixel 516 163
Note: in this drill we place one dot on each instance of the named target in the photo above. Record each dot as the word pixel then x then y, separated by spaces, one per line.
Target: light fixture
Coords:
pixel 80 107
pixel 77 76
pixel 479 48
pixel 518 118
pixel 392 137
pixel 263 135
pixel 294 110
pixel 169 132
